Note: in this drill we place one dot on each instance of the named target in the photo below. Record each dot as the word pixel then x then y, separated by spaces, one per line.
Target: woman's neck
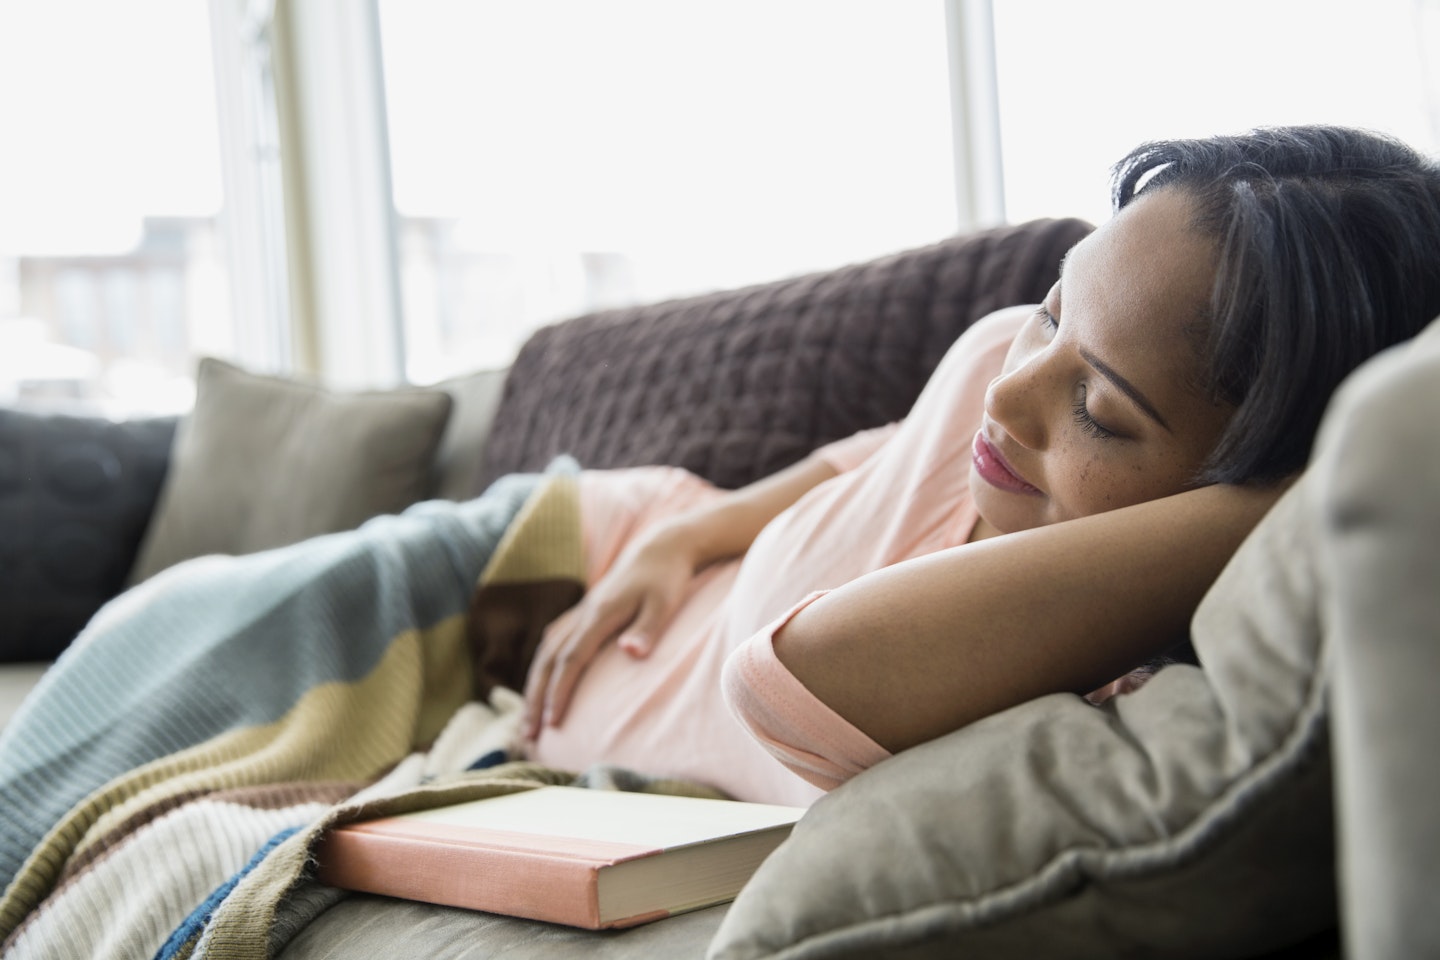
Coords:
pixel 982 531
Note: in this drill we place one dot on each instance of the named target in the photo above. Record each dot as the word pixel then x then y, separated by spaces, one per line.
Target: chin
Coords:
pixel 1005 521
pixel 1007 512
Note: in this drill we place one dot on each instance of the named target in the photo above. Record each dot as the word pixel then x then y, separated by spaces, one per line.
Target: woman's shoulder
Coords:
pixel 980 351
pixel 996 329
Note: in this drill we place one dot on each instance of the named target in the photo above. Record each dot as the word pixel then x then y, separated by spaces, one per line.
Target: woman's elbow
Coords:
pixel 795 726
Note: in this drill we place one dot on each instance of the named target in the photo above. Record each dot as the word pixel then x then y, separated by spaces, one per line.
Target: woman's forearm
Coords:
pixel 924 647
pixel 726 527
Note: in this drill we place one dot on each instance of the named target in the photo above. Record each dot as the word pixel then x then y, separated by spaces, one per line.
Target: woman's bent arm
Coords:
pixel 927 646
pixel 726 527
pixel 634 601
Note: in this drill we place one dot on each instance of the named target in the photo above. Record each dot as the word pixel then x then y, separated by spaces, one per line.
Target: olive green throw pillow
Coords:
pixel 263 462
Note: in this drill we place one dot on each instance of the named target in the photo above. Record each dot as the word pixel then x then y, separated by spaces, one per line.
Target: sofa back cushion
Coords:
pixel 736 385
pixel 476 397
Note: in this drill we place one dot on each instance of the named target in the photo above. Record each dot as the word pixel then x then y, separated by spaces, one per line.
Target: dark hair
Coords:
pixel 1328 243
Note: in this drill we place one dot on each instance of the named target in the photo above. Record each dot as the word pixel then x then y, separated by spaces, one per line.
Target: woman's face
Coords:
pixel 1099 405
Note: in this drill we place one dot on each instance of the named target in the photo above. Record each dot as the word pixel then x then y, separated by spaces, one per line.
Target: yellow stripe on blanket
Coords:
pixel 536 572
pixel 543 541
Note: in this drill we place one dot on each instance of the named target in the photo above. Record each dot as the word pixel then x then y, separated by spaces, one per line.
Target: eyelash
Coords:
pixel 1088 423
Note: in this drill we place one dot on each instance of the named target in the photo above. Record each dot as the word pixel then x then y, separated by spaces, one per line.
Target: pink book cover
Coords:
pixel 541 854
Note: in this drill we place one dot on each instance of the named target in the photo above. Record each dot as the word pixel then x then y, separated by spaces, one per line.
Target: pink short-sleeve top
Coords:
pixel 902 491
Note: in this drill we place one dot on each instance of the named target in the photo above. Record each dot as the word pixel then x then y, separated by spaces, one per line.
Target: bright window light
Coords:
pixel 555 156
pixel 1081 84
pixel 105 122
pixel 111 272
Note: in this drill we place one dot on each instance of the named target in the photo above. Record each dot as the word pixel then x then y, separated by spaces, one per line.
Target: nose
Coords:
pixel 1014 402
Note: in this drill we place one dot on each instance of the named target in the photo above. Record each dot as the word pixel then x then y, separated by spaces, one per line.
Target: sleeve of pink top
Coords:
pixel 845 455
pixel 789 721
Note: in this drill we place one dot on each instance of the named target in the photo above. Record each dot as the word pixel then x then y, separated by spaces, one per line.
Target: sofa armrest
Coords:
pixel 1381 528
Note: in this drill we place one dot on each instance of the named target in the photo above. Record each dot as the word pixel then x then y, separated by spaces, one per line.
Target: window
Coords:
pixel 558 156
pixel 552 157
pixel 1081 84
pixel 112 274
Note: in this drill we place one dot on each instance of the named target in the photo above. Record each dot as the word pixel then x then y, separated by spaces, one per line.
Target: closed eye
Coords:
pixel 1088 423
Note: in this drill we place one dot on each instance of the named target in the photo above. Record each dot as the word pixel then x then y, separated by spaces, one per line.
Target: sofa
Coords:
pixel 1270 803
pixel 732 385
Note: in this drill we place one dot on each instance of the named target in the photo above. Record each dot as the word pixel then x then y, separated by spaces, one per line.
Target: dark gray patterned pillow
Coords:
pixel 75 496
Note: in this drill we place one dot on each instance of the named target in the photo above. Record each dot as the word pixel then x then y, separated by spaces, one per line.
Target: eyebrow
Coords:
pixel 1109 372
pixel 1125 387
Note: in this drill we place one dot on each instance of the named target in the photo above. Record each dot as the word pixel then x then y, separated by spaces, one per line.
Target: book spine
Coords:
pixel 517 883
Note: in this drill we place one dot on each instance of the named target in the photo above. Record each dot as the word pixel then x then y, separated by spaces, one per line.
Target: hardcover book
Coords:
pixel 586 858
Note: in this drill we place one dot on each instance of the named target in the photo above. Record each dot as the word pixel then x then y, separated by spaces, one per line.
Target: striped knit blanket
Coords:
pixel 161 790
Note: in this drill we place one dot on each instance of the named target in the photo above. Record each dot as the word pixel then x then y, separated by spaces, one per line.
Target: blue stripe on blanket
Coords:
pixel 194 924
pixel 222 643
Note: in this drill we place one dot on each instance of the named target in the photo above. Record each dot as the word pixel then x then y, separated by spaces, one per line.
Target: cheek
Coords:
pixel 1094 483
pixel 1086 485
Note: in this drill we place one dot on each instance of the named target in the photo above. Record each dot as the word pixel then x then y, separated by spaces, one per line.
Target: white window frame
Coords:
pixel 253 214
pixel 975 114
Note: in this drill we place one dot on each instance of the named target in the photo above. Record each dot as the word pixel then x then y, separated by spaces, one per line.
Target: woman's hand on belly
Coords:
pixel 631 605
pixel 637 598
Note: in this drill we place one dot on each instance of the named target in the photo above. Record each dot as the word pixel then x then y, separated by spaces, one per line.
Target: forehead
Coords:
pixel 1136 294
pixel 1138 288
pixel 1146 267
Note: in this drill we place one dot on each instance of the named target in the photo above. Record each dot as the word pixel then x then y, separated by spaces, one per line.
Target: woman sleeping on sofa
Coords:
pixel 1046 519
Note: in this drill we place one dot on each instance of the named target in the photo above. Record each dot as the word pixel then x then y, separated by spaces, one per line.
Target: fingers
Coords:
pixel 566 650
pixel 639 638
pixel 633 619
pixel 555 636
pixel 637 644
pixel 574 658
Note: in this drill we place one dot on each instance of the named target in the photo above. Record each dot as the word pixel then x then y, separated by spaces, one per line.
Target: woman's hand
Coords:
pixel 631 604
pixel 634 601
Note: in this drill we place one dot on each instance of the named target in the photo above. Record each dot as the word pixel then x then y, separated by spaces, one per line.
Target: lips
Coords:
pixel 994 470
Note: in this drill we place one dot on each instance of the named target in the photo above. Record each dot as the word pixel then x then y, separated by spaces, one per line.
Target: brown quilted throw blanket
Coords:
pixel 736 385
